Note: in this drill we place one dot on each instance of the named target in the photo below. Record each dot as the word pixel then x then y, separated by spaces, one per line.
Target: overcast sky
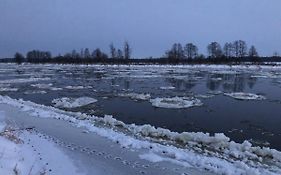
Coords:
pixel 150 26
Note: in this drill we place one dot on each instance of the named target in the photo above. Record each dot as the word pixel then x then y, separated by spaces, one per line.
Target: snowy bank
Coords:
pixel 201 150
pixel 26 153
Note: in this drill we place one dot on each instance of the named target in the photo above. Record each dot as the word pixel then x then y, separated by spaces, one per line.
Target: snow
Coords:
pixel 135 96
pixel 175 102
pixel 201 150
pixel 245 96
pixel 30 154
pixel 66 102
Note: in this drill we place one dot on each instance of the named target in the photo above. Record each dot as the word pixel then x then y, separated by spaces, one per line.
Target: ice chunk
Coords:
pixel 175 102
pixel 42 86
pixel 135 96
pixel 245 96
pixel 27 80
pixel 6 89
pixel 167 87
pixel 66 102
pixel 34 92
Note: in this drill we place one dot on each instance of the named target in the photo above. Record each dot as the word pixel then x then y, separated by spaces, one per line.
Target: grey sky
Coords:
pixel 151 26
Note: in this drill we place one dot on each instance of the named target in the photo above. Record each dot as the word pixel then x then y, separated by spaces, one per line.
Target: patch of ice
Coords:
pixel 77 87
pixel 34 92
pixel 216 79
pixel 7 89
pixel 135 96
pixel 42 86
pixel 204 96
pixel 167 87
pixel 175 102
pixel 66 102
pixel 245 96
pixel 24 80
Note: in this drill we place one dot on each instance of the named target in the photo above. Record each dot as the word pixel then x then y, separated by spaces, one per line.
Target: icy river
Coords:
pixel 242 102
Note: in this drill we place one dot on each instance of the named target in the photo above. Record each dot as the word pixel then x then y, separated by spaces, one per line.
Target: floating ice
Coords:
pixel 24 80
pixel 135 96
pixel 204 96
pixel 77 87
pixel 35 92
pixel 66 102
pixel 175 102
pixel 8 89
pixel 245 96
pixel 42 86
pixel 167 87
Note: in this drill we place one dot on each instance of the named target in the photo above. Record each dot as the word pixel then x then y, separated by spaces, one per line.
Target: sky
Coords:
pixel 150 26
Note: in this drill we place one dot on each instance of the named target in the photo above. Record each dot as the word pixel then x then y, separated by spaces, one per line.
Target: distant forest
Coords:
pixel 232 52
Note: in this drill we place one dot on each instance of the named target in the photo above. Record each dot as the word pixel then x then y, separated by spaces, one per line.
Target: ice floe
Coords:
pixel 8 89
pixel 66 102
pixel 167 87
pixel 176 102
pixel 42 86
pixel 34 92
pixel 24 80
pixel 245 96
pixel 77 87
pixel 135 96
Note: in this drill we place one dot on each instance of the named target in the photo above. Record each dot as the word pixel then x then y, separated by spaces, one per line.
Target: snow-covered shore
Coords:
pixel 52 146
pixel 217 154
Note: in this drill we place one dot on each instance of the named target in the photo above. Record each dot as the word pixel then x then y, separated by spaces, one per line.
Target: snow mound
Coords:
pixel 66 102
pixel 175 102
pixel 245 96
pixel 135 96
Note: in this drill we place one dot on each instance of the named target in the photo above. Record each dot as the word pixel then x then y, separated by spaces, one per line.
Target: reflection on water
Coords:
pixel 258 121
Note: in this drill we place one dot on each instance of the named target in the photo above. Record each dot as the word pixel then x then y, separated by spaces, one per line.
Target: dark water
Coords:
pixel 257 120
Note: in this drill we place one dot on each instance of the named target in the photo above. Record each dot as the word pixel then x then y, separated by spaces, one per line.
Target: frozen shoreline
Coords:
pixel 247 159
pixel 82 152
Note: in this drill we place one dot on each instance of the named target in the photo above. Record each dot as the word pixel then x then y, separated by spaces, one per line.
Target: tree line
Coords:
pixel 231 51
pixel 236 51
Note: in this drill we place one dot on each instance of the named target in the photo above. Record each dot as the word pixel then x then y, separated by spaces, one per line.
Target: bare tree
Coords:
pixel 214 50
pixel 190 51
pixel 253 52
pixel 240 48
pixel 112 51
pixel 228 50
pixel 19 58
pixel 120 54
pixel 127 50
pixel 176 52
pixel 87 53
